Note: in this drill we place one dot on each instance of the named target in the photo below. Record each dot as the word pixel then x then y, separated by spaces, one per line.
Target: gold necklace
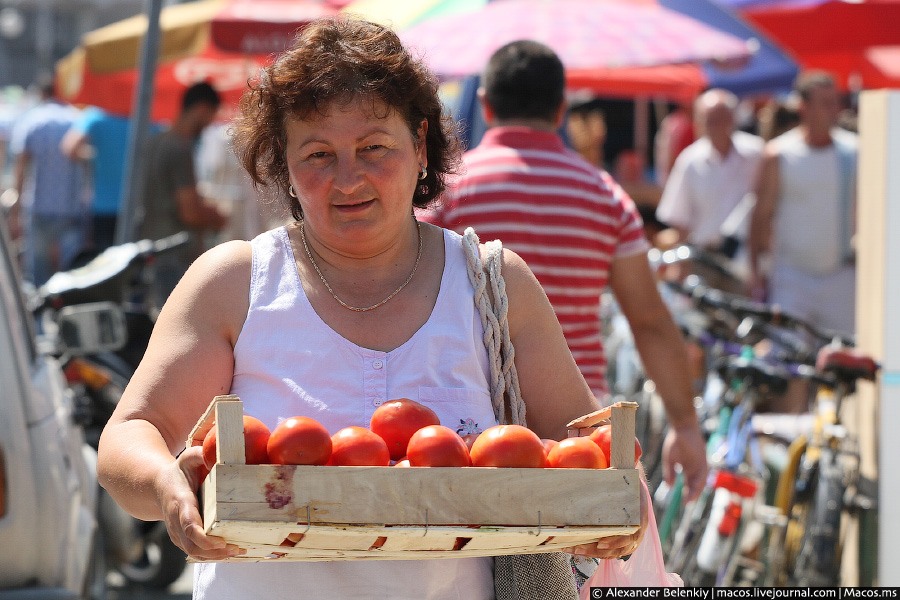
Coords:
pixel 331 291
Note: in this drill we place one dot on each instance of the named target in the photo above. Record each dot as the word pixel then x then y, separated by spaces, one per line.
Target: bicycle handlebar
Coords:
pixel 689 253
pixel 711 298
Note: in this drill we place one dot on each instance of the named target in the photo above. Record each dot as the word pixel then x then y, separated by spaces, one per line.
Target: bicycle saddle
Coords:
pixel 846 364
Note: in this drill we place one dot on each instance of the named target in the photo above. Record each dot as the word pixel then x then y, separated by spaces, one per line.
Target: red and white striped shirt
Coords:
pixel 567 219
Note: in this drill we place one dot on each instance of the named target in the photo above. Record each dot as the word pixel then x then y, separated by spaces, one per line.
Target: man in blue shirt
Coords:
pixel 53 198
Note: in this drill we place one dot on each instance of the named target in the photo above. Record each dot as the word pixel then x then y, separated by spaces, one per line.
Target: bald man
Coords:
pixel 712 176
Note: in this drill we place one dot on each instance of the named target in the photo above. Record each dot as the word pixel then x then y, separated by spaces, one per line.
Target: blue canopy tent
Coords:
pixel 770 70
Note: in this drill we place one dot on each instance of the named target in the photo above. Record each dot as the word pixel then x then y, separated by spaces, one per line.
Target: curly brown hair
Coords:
pixel 340 59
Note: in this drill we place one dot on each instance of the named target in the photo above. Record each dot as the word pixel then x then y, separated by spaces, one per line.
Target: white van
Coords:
pixel 49 545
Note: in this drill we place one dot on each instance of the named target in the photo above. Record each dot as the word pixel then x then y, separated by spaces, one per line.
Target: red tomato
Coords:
pixel 256 437
pixel 437 446
pixel 299 441
pixel 602 436
pixel 469 439
pixel 357 446
pixel 548 446
pixel 577 453
pixel 508 446
pixel 397 420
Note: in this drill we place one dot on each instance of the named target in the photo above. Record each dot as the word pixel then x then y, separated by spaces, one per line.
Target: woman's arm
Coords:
pixel 553 388
pixel 188 361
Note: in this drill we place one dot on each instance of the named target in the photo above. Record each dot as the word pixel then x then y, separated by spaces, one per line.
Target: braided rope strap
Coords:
pixel 546 576
pixel 493 308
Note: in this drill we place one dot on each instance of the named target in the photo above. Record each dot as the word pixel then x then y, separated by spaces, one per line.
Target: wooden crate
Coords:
pixel 334 513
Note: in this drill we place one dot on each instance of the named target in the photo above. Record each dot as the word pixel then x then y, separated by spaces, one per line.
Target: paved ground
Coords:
pixel 180 590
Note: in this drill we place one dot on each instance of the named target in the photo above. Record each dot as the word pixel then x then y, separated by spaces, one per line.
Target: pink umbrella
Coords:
pixel 585 33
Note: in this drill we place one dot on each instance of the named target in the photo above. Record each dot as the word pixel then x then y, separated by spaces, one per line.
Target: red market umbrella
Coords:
pixel 224 42
pixel 859 42
pixel 768 71
pixel 586 34
pixel 400 15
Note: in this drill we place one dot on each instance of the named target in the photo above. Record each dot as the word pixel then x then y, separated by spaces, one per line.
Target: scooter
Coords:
pixel 113 289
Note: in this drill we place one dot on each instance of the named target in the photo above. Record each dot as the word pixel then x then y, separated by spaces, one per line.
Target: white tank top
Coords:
pixel 289 362
pixel 808 229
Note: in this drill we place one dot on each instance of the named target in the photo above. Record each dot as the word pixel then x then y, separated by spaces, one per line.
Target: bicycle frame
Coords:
pixel 823 469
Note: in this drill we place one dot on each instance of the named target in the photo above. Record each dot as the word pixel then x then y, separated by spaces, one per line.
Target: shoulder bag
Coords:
pixel 545 576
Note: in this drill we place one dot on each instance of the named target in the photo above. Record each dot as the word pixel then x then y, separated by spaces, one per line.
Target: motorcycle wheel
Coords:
pixel 95 580
pixel 160 564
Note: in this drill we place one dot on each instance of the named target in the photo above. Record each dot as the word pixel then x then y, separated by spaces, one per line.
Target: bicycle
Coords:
pixel 625 371
pixel 709 545
pixel 732 535
pixel 822 478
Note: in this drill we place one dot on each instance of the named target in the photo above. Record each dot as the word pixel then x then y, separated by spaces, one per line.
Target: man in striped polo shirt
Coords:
pixel 576 229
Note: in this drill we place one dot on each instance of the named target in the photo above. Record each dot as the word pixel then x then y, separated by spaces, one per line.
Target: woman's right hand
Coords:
pixel 178 486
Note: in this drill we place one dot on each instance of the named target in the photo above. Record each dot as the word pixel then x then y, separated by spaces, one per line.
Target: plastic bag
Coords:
pixel 646 567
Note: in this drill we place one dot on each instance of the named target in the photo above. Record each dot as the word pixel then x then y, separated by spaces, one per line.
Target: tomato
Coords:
pixel 602 436
pixel 437 446
pixel 358 446
pixel 548 446
pixel 299 441
pixel 508 446
pixel 469 439
pixel 256 437
pixel 397 420
pixel 577 453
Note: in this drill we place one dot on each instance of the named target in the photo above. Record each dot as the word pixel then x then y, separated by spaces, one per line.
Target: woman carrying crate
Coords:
pixel 351 305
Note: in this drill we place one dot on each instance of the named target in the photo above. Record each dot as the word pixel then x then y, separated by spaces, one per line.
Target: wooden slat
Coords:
pixel 206 421
pixel 230 433
pixel 404 543
pixel 451 496
pixel 336 538
pixel 622 435
pixel 422 539
pixel 590 419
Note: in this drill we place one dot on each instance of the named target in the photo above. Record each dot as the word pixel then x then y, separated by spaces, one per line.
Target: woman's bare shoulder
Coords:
pixel 215 289
pixel 527 299
pixel 222 268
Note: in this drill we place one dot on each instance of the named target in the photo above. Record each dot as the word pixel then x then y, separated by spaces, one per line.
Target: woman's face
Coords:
pixel 354 169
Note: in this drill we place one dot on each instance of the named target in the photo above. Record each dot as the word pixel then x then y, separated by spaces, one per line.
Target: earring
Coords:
pixel 423 187
pixel 291 191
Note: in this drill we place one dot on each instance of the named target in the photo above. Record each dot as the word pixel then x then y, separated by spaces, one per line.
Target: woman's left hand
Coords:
pixel 617 546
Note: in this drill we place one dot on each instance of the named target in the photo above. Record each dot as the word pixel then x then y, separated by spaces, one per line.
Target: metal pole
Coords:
pixel 140 119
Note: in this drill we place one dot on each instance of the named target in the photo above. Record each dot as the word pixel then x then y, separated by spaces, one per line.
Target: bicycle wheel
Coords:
pixel 651 429
pixel 819 560
pixel 682 558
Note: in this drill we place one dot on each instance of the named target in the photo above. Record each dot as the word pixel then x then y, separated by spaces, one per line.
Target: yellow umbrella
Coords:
pixel 224 42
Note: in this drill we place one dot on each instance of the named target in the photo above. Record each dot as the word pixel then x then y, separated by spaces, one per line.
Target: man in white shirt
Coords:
pixel 711 178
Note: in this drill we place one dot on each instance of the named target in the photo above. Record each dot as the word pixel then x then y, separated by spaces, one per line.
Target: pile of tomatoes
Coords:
pixel 404 433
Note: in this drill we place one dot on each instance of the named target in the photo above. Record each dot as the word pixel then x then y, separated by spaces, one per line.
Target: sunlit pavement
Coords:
pixel 180 590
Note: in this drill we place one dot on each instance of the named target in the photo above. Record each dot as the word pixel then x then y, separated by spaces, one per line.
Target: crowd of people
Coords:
pixel 363 296
pixel 66 188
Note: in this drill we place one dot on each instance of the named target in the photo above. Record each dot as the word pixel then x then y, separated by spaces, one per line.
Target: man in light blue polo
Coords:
pixel 101 140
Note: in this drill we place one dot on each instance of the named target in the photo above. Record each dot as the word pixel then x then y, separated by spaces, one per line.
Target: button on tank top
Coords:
pixel 288 362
